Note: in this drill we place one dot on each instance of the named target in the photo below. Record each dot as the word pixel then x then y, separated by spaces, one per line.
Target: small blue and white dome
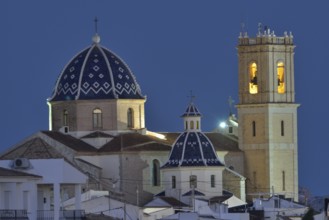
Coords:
pixel 96 73
pixel 192 147
pixel 191 110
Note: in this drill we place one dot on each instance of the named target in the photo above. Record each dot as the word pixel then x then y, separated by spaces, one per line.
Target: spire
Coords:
pixel 96 38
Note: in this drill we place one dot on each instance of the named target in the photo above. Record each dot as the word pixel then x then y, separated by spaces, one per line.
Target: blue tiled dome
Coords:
pixel 96 73
pixel 192 149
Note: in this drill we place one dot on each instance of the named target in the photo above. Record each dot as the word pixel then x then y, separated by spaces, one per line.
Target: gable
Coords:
pixel 35 148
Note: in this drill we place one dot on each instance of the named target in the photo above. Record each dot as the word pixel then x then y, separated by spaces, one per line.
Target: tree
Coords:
pixel 309 215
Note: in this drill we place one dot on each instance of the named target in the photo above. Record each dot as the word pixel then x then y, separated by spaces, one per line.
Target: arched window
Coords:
pixel 253 84
pixel 130 118
pixel 156 173
pixel 280 73
pixel 197 124
pixel 65 118
pixel 193 181
pixel 97 118
pixel 186 125
pixel 191 124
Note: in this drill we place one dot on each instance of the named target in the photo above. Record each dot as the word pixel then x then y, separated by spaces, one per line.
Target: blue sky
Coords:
pixel 172 47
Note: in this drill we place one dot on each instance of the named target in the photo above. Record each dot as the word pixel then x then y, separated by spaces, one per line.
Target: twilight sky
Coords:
pixel 172 47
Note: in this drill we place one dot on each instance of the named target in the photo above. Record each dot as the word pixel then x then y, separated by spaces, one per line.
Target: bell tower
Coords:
pixel 268 113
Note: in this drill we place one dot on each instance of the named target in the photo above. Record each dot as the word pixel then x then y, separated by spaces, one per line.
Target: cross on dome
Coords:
pixel 96 38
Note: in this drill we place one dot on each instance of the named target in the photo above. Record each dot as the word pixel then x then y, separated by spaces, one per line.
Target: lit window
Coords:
pixel 212 181
pixel 173 182
pixel 130 118
pixel 197 124
pixel 186 125
pixel 65 118
pixel 280 73
pixel 156 173
pixel 97 118
pixel 253 84
pixel 193 181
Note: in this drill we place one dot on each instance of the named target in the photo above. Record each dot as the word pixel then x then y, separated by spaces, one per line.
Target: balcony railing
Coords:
pixel 11 214
pixel 63 215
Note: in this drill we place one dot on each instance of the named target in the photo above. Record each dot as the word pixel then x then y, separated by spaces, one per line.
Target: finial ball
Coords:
pixel 96 38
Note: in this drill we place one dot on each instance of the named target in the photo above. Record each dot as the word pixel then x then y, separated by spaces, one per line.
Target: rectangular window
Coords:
pixel 276 203
pixel 173 182
pixel 212 181
pixel 193 181
pixel 230 129
pixel 282 128
pixel 25 200
pixel 283 181
pixel 6 200
pixel 253 128
pixel 255 179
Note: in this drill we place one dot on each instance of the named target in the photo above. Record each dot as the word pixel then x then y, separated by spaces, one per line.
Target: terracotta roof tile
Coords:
pixel 70 141
pixel 136 142
pixel 35 148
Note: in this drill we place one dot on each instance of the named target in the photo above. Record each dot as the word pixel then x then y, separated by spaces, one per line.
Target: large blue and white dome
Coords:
pixel 96 73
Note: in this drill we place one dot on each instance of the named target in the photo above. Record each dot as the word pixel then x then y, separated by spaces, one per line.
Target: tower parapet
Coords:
pixel 266 37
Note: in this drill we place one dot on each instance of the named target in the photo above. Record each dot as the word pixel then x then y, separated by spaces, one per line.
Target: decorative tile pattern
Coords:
pixel 192 149
pixel 191 110
pixel 96 73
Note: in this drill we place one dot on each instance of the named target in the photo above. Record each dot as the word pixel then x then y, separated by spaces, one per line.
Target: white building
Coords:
pixel 38 187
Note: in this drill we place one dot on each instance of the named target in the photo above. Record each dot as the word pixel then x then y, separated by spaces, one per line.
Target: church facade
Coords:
pixel 97 125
